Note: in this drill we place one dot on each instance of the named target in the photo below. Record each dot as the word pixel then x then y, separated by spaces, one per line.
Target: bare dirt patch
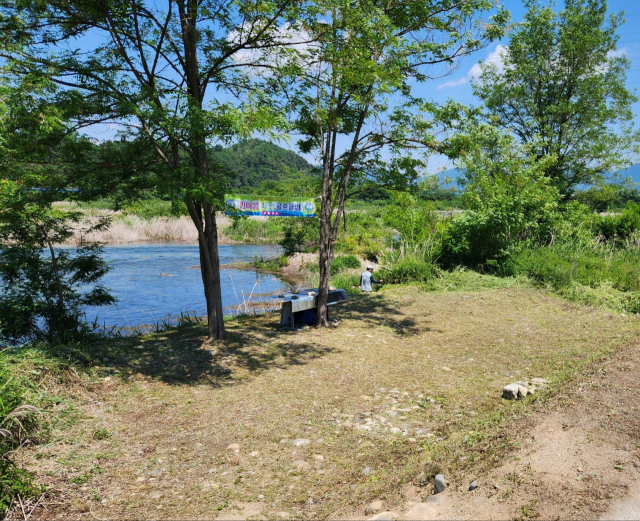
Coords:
pixel 318 423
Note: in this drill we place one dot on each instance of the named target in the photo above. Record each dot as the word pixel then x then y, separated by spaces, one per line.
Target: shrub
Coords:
pixel 17 421
pixel 619 226
pixel 343 262
pixel 411 262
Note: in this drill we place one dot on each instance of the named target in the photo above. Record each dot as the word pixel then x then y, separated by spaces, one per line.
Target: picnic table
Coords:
pixel 302 307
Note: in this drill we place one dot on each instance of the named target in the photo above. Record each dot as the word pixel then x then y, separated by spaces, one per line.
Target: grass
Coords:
pixel 431 363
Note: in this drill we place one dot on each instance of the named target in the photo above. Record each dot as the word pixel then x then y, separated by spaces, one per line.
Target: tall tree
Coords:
pixel 561 87
pixel 152 69
pixel 354 105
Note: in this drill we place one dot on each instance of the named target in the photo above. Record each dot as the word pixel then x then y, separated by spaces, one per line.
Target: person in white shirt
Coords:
pixel 366 279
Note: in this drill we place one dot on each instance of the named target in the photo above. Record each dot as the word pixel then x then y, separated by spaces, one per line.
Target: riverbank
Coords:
pixel 320 423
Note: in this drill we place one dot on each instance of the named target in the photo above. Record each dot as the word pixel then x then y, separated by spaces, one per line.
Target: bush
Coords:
pixel 509 199
pixel 619 226
pixel 411 262
pixel 254 231
pixel 343 262
pixel 274 264
pixel 17 421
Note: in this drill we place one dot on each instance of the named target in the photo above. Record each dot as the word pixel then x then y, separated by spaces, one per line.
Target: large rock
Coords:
pixel 374 507
pixel 539 381
pixel 439 483
pixel 420 512
pixel 522 391
pixel 510 392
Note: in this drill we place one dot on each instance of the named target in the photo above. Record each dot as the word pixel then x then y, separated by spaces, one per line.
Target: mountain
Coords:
pixel 633 172
pixel 255 160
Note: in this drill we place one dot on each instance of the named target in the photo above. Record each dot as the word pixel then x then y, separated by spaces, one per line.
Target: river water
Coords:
pixel 155 282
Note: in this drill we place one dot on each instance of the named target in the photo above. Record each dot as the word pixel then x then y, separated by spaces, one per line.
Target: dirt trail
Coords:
pixel 579 457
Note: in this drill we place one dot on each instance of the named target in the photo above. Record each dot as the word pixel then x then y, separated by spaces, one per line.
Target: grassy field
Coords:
pixel 409 384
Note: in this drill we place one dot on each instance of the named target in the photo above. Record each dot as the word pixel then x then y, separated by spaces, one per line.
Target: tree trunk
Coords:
pixel 326 259
pixel 209 265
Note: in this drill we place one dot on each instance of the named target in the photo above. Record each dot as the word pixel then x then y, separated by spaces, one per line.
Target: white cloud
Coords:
pixel 494 58
pixel 617 53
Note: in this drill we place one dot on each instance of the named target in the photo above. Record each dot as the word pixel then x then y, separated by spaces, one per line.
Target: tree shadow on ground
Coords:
pixel 185 356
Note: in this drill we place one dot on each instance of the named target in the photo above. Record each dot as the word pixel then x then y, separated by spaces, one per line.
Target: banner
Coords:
pixel 272 206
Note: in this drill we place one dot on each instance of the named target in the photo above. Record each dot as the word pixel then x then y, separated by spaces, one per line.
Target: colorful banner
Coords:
pixel 272 206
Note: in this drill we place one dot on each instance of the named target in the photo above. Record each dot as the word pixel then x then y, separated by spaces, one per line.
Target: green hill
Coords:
pixel 255 160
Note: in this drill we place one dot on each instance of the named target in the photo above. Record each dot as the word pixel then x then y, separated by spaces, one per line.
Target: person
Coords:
pixel 367 278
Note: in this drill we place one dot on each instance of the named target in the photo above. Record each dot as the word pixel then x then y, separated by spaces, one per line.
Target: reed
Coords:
pixel 131 229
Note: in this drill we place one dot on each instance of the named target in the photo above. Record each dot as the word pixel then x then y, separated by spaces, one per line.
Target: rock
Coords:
pixel 412 440
pixel 523 384
pixel 474 485
pixel 233 446
pixel 394 430
pixel 433 499
pixel 318 457
pixel 366 471
pixel 439 483
pixel 283 515
pixel 332 288
pixel 420 512
pixel 255 454
pixel 531 389
pixel 301 464
pixel 510 392
pixel 522 391
pixel 374 507
pixel 539 381
pixel 365 397
pixel 384 516
pixel 300 442
pixel 445 369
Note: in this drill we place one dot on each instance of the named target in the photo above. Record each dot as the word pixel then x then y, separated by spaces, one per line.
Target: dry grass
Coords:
pixel 431 365
pixel 132 229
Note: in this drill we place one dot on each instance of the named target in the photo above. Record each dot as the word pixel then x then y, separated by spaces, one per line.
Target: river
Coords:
pixel 154 282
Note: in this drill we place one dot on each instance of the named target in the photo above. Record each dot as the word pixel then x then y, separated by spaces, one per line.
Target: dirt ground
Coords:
pixel 320 423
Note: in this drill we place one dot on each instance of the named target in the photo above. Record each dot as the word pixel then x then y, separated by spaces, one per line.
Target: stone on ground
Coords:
pixel 366 471
pixel 439 483
pixel 374 507
pixel 522 391
pixel 473 485
pixel 233 446
pixel 420 512
pixel 510 392
pixel 384 516
pixel 301 442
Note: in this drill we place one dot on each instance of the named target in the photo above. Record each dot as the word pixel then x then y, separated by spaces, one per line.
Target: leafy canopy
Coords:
pixel 561 91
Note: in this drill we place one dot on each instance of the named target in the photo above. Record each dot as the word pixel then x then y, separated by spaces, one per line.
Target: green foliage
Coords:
pixel 411 262
pixel 293 239
pixel 154 207
pixel 254 231
pixel 508 196
pixel 561 88
pixel 414 222
pixel 18 420
pixel 345 262
pixel 274 264
pixel 619 227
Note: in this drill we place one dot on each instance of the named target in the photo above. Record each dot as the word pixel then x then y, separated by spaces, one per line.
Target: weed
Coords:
pixel 101 434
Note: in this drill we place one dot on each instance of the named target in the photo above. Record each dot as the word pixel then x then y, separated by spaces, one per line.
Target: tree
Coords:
pixel 150 68
pixel 354 105
pixel 561 86
pixel 507 195
pixel 43 287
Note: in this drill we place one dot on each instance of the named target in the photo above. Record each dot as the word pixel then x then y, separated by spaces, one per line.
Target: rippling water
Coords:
pixel 156 281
